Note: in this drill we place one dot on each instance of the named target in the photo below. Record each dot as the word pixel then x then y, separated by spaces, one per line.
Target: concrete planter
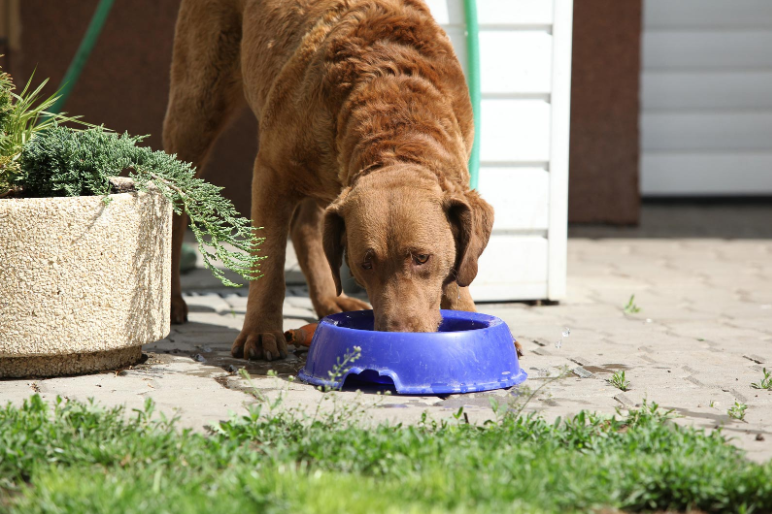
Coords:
pixel 82 284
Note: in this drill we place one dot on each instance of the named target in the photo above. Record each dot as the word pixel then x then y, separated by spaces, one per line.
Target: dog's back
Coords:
pixel 308 68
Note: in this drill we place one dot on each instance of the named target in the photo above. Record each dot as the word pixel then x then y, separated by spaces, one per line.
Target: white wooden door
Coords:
pixel 525 48
pixel 706 118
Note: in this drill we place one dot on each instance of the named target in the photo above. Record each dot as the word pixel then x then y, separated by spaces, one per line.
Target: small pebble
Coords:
pixel 198 357
pixel 759 437
pixel 206 349
pixel 232 369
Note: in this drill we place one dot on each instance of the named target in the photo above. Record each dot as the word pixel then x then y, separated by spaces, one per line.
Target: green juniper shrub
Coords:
pixel 62 161
pixel 38 157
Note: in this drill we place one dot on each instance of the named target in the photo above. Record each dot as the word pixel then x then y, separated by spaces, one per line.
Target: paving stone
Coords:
pixel 16 391
pixel 719 332
pixel 703 335
pixel 291 311
pixel 207 303
pixel 237 302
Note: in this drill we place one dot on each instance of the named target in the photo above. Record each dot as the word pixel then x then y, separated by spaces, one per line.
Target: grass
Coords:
pixel 765 383
pixel 631 308
pixel 619 381
pixel 73 457
pixel 737 411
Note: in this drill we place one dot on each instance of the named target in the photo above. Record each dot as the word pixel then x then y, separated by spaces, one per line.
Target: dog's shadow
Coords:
pixel 209 345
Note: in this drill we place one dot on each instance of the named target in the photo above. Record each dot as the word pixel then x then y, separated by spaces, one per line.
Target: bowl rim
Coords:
pixel 490 320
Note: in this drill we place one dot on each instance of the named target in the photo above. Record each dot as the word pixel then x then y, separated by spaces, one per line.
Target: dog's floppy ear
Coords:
pixel 471 219
pixel 334 240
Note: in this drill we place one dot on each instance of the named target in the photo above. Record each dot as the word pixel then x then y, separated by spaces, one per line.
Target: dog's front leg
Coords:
pixel 272 205
pixel 306 236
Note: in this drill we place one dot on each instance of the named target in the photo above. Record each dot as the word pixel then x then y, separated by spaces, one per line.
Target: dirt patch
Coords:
pixel 606 368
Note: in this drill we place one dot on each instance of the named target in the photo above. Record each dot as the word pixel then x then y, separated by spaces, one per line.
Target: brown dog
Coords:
pixel 363 109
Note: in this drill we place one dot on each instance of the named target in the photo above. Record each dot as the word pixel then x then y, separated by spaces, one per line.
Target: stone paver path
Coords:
pixel 701 337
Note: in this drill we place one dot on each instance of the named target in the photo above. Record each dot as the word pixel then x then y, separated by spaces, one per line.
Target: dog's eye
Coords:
pixel 367 263
pixel 421 258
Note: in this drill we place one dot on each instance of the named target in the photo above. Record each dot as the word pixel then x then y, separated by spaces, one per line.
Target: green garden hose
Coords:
pixel 473 80
pixel 189 254
pixel 83 53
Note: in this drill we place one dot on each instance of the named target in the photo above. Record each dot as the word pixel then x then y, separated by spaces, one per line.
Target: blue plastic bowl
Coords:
pixel 470 352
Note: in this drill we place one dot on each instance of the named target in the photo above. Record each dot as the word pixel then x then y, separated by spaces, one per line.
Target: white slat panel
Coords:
pixel 706 174
pixel 707 49
pixel 660 14
pixel 515 62
pixel 724 131
pixel 515 130
pixel 560 124
pixel 706 90
pixel 510 61
pixel 520 197
pixel 512 268
pixel 494 12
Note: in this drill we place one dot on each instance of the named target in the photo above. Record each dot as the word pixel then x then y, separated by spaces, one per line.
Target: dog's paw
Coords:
pixel 179 310
pixel 342 303
pixel 260 344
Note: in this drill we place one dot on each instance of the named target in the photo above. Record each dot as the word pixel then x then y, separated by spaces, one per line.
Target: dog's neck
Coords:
pixel 388 123
pixel 396 176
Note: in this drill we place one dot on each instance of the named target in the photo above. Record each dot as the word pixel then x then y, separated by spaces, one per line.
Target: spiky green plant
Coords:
pixel 7 163
pixel 6 100
pixel 22 116
pixel 61 161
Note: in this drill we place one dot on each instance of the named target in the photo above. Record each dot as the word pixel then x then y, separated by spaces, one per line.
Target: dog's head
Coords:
pixel 404 243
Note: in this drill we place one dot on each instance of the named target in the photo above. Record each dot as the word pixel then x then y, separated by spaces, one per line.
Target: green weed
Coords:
pixel 765 383
pixel 737 411
pixel 618 380
pixel 631 308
